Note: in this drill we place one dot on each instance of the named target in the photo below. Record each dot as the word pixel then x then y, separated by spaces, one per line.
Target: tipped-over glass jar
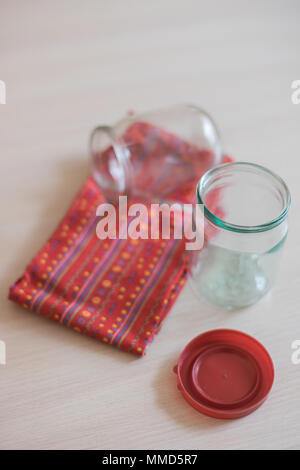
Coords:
pixel 245 210
pixel 158 155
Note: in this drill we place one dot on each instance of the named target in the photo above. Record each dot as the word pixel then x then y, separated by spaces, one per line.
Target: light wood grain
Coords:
pixel 69 65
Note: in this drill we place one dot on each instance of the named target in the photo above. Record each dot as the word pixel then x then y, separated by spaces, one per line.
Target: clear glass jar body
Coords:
pixel 245 208
pixel 159 155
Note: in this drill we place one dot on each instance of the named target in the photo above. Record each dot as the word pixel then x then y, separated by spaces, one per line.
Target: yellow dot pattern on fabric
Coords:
pixel 116 269
pixel 86 313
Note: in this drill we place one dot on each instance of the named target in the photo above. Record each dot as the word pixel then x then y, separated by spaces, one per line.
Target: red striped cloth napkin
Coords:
pixel 118 291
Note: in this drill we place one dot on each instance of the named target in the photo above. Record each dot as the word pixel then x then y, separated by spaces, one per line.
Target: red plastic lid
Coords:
pixel 225 373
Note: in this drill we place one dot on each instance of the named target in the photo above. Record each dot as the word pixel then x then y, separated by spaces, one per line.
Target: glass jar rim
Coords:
pixel 236 227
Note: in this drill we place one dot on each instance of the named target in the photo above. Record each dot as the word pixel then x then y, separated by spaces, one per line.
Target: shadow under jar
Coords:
pixel 245 213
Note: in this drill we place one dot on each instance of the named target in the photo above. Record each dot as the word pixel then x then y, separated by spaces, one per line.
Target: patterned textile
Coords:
pixel 118 291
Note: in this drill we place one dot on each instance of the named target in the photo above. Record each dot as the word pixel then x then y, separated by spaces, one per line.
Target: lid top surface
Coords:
pixel 225 373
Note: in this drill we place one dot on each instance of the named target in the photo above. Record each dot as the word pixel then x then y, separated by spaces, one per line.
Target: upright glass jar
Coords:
pixel 159 155
pixel 245 209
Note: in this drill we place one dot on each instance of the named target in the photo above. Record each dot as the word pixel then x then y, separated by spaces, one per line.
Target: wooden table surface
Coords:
pixel 68 66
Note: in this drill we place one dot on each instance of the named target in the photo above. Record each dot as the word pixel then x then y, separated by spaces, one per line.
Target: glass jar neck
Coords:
pixel 243 197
